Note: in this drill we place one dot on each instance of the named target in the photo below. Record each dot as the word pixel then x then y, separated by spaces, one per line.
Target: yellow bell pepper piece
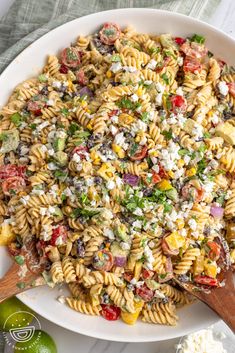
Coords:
pixel 108 74
pixel 210 268
pixel 139 92
pixel 198 265
pixel 164 185
pixel 118 150
pixel 180 163
pixel 6 234
pixel 232 255
pixel 175 240
pixel 191 172
pixel 171 174
pixel 180 223
pixel 106 171
pixel 94 157
pixel 131 318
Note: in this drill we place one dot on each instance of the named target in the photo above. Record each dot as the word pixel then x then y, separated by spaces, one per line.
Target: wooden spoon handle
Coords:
pixel 222 301
pixel 12 283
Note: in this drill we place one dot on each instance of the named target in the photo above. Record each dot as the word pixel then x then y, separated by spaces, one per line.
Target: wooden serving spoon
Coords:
pixel 221 300
pixel 20 278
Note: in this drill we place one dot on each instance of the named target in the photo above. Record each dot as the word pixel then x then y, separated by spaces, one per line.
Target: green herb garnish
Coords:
pixel 84 212
pixel 115 58
pixel 42 78
pixel 16 119
pixel 19 259
pixel 61 175
pixel 33 126
pixel 21 285
pixel 168 134
pixel 3 136
pixel 73 127
pixel 198 39
pixel 165 78
pixel 64 111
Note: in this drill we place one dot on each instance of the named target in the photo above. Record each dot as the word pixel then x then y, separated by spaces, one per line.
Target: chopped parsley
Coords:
pixel 133 149
pixel 3 136
pixel 126 103
pixel 61 175
pixel 165 78
pixel 16 119
pixel 145 117
pixel 198 39
pixel 33 126
pixel 21 285
pixel 168 134
pixel 201 166
pixel 64 111
pixel 206 135
pixel 42 78
pixel 73 127
pixel 154 50
pixel 115 58
pixel 19 259
pixel 84 212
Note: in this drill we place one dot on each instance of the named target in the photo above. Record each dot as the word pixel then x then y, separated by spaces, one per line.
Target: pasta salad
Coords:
pixel 117 171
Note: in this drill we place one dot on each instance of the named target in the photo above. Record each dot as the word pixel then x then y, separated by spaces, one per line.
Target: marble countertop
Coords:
pixel 223 18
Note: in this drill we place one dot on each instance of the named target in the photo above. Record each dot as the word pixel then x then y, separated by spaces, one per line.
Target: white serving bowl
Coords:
pixel 27 64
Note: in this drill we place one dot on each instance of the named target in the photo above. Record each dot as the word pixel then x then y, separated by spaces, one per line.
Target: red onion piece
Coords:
pixel 120 261
pixel 217 211
pixel 85 91
pixel 131 179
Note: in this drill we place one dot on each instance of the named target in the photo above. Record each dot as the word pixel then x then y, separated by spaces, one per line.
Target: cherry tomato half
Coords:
pixel 178 103
pixel 206 280
pixel 146 274
pixel 13 185
pixel 145 293
pixel 81 151
pixel 109 33
pixel 128 276
pixel 36 104
pixel 70 57
pixel 194 50
pixel 231 88
pixel 140 153
pixel 63 69
pixel 180 40
pixel 110 312
pixel 191 65
pixel 59 231
pixel 11 170
pixel 81 77
pixel 103 260
pixel 214 252
pixel 162 172
pixel 13 249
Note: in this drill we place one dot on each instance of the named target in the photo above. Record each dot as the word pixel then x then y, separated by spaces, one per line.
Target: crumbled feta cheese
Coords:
pixel 76 158
pixel 223 88
pixel 109 233
pixel 148 82
pixel 134 98
pixel 51 152
pixel 179 91
pixel 138 212
pixel 43 211
pixel 59 241
pixel 133 281
pixel 152 64
pixel 42 125
pixel 110 185
pixel 137 224
pixel 119 139
pixel 24 199
pixel 139 284
pixel 187 159
pixel 125 246
pixel 215 119
pixel 43 149
pixel 115 67
pixel 52 166
pixel 114 119
pixel 113 129
pixel 61 299
pixel 56 84
pixel 180 60
pixel 159 294
pixel 139 125
pixel 50 102
pixel 61 134
pixel 192 224
pixel 130 69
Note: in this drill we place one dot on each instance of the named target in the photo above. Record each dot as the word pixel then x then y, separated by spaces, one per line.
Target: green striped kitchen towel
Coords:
pixel 27 20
